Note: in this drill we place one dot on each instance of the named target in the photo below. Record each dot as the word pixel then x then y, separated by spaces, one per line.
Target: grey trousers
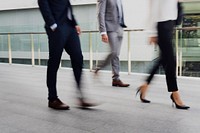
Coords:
pixel 115 41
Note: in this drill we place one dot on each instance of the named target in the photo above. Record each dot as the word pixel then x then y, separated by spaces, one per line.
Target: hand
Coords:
pixel 78 29
pixel 153 40
pixel 104 38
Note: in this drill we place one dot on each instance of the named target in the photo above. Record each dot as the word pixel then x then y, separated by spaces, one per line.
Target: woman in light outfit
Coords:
pixel 163 14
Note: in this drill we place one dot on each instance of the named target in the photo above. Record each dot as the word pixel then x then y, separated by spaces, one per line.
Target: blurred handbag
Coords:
pixel 179 19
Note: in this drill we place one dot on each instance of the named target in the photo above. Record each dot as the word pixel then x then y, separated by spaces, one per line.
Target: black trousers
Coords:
pixel 65 37
pixel 167 58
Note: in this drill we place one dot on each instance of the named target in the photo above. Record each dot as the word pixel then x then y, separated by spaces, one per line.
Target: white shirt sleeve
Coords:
pixel 160 11
pixel 152 21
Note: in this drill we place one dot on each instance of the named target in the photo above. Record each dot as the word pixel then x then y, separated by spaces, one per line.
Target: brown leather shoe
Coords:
pixel 119 83
pixel 83 104
pixel 96 70
pixel 58 104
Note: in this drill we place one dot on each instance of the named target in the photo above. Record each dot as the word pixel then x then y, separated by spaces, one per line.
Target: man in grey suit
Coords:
pixel 111 24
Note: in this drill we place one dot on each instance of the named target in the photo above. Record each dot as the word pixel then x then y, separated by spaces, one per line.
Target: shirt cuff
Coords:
pixel 103 33
pixel 54 26
pixel 151 33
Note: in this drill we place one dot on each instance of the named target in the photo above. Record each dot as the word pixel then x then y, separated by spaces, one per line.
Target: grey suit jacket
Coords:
pixel 108 15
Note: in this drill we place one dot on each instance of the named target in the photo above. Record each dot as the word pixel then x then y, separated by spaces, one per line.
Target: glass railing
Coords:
pixel 136 56
pixel 188 51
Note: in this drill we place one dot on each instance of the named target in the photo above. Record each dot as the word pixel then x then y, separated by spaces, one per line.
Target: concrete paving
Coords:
pixel 23 104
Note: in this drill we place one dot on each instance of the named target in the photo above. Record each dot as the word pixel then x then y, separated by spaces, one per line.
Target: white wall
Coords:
pixel 23 4
pixel 17 4
pixel 136 17
pixel 136 13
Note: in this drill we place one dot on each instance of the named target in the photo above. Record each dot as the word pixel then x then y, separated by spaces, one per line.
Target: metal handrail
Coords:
pixel 187 28
pixel 94 31
pixel 83 31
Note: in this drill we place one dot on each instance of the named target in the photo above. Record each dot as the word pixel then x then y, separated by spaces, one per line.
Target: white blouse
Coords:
pixel 160 11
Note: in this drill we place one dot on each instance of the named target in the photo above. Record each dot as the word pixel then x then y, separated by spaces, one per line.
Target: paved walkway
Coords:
pixel 23 104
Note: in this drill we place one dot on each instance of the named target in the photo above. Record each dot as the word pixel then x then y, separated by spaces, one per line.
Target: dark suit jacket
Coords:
pixel 56 11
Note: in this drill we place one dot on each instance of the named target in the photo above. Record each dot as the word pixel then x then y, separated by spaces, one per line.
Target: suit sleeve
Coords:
pixel 101 15
pixel 73 18
pixel 46 12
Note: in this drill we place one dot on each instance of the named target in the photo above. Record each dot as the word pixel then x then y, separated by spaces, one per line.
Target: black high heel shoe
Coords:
pixel 178 106
pixel 141 99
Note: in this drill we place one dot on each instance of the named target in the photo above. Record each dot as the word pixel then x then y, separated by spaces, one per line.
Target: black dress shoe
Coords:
pixel 119 83
pixel 58 104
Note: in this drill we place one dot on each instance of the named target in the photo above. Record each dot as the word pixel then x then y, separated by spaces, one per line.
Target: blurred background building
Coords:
pixel 23 39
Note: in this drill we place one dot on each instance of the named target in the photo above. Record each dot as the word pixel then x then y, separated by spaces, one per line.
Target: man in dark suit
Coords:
pixel 62 30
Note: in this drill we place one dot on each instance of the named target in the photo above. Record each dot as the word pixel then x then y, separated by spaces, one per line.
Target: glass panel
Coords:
pixel 4 48
pixel 189 46
pixel 40 49
pixel 21 48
